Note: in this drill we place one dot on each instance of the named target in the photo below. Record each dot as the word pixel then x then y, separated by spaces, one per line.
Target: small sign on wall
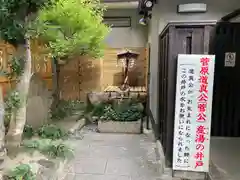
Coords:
pixel 193 110
pixel 230 59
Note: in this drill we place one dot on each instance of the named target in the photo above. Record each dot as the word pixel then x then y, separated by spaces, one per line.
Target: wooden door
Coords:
pixel 177 40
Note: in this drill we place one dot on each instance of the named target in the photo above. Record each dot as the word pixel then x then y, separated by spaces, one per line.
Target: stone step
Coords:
pixel 216 174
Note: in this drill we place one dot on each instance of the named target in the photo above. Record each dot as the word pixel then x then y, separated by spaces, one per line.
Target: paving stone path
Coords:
pixel 113 157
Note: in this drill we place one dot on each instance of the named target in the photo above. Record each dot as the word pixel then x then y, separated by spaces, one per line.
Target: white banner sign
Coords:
pixel 193 110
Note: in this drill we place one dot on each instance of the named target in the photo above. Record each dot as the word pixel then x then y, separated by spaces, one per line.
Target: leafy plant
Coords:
pixel 59 113
pixel 32 144
pixel 72 27
pixel 123 112
pixel 67 108
pixel 51 132
pixel 21 172
pixel 99 109
pixel 14 18
pixel 53 149
pixel 28 131
pixel 12 102
pixel 16 65
pixel 57 150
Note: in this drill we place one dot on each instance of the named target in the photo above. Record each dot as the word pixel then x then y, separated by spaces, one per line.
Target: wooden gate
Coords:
pixel 226 98
pixel 174 40
pixel 79 76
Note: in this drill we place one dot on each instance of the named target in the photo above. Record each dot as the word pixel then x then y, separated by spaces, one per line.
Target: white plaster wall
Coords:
pixel 135 36
pixel 153 40
pixel 215 10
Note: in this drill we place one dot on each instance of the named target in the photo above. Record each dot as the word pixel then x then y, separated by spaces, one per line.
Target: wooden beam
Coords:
pixel 231 15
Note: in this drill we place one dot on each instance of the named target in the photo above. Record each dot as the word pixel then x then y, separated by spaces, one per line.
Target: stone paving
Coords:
pixel 113 157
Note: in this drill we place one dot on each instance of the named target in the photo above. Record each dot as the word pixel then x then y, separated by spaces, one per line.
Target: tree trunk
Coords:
pixel 15 132
pixel 55 69
pixel 2 131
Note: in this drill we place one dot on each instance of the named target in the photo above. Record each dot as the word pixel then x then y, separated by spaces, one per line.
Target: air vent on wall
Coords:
pixel 192 8
pixel 117 21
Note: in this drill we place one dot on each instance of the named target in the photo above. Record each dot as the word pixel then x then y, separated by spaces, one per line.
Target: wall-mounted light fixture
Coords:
pixel 148 4
pixel 144 20
pixel 144 8
pixel 192 8
pixel 145 5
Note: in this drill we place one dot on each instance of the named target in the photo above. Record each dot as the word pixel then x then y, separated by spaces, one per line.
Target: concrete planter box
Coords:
pixel 133 127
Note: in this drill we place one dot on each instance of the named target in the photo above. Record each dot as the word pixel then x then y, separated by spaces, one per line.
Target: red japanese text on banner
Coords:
pixel 193 112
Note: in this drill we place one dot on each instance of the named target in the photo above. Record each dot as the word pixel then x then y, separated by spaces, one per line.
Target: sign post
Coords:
pixel 193 108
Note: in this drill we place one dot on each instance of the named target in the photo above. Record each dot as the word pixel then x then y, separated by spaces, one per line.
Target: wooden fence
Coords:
pixel 84 75
pixel 41 64
pixel 80 75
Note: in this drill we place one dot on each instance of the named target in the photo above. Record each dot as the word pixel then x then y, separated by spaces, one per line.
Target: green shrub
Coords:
pixel 99 109
pixel 12 102
pixel 72 28
pixel 31 144
pixel 57 150
pixel 53 149
pixel 16 65
pixel 123 111
pixel 28 131
pixel 21 172
pixel 51 132
pixel 67 108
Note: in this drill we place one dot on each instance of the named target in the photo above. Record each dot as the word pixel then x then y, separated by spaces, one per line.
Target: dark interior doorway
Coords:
pixel 225 140
pixel 225 44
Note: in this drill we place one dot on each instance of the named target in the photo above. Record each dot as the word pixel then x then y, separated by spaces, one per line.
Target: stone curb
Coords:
pixel 149 134
pixel 133 127
pixel 216 174
pixel 78 126
pixel 160 156
pixel 165 173
pixel 158 150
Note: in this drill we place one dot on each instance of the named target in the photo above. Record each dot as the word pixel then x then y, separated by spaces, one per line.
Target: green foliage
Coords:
pixel 13 15
pixel 99 109
pixel 28 131
pixel 21 172
pixel 53 149
pixel 48 131
pixel 132 114
pixel 16 65
pixel 72 27
pixel 57 150
pixel 67 108
pixel 51 132
pixel 12 102
pixel 31 144
pixel 123 111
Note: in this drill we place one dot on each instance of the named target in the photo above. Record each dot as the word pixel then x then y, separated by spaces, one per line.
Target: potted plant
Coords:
pixel 123 117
